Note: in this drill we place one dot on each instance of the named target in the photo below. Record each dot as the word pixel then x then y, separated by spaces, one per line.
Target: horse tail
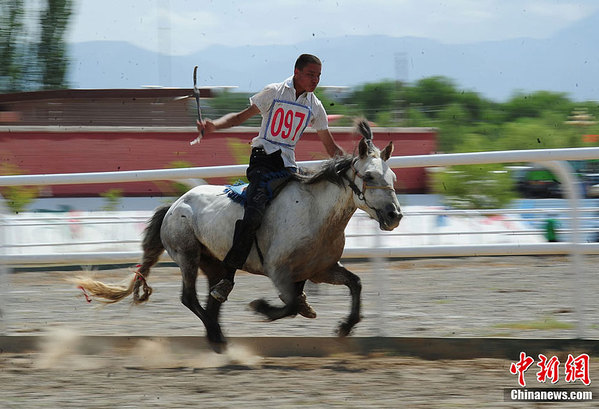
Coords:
pixel 152 250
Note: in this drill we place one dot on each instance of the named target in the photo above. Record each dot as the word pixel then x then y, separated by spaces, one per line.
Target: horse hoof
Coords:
pixel 344 329
pixel 217 342
pixel 307 311
pixel 218 347
pixel 304 308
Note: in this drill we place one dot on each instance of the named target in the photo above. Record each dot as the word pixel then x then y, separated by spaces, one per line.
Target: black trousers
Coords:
pixel 267 174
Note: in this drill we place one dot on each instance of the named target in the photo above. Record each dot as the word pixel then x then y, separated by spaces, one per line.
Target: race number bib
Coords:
pixel 287 122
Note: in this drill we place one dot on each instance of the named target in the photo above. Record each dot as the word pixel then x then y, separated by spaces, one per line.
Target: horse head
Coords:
pixel 373 181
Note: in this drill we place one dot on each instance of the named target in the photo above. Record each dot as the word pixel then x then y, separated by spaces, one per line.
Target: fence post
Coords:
pixel 380 275
pixel 571 186
pixel 4 269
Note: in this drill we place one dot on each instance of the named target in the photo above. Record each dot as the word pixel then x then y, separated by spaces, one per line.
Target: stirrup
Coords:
pixel 221 291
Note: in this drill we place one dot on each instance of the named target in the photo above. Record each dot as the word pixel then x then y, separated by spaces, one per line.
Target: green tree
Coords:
pixel 52 50
pixel 533 105
pixel 415 117
pixel 33 57
pixel 433 92
pixel 17 197
pixel 374 97
pixel 452 124
pixel 533 133
pixel 475 186
pixel 11 44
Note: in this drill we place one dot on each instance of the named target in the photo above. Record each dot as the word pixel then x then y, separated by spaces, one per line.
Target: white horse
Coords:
pixel 301 237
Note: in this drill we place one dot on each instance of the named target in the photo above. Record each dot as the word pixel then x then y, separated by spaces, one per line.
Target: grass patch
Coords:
pixel 542 324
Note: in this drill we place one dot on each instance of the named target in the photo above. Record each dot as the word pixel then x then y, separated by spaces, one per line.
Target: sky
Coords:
pixel 182 27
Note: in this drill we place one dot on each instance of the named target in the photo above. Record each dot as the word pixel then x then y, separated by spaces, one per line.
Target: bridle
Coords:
pixel 360 193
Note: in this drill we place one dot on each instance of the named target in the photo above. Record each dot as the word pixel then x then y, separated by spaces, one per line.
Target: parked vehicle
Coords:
pixel 591 184
pixel 534 181
pixel 537 182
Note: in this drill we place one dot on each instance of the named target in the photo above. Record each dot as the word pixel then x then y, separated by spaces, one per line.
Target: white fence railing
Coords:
pixel 554 159
pixel 32 238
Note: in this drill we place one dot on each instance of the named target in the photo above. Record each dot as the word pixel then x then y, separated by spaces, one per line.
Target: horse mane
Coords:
pixel 331 171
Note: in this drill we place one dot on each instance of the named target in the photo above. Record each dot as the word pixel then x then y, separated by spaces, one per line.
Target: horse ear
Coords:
pixel 386 153
pixel 363 148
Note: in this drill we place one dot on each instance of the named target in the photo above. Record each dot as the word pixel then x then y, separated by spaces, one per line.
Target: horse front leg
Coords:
pixel 215 271
pixel 213 307
pixel 209 317
pixel 213 331
pixel 287 293
pixel 339 275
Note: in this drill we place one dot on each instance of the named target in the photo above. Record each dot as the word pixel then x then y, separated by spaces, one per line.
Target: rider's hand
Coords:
pixel 206 126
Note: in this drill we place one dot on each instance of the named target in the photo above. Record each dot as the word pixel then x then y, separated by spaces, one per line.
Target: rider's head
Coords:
pixel 306 59
pixel 306 74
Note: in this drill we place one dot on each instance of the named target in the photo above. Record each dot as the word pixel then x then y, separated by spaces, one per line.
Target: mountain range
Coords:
pixel 567 62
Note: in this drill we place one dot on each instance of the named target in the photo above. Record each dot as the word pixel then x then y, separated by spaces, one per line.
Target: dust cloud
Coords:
pixel 65 348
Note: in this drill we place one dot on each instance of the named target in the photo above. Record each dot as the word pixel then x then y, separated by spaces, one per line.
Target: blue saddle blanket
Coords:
pixel 236 192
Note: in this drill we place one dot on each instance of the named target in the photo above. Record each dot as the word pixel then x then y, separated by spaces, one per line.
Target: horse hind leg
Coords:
pixel 339 275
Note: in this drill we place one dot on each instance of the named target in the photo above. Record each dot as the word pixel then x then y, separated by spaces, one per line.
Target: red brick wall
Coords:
pixel 46 152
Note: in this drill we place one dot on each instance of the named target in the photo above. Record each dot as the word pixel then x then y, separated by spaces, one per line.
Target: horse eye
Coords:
pixel 368 177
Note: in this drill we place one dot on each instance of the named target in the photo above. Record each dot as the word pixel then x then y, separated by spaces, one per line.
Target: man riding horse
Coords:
pixel 197 231
pixel 287 108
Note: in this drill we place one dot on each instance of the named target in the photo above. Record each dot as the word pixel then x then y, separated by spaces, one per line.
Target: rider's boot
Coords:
pixel 243 240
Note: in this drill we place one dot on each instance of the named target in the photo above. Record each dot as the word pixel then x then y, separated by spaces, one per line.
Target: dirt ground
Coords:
pixel 521 297
pixel 153 376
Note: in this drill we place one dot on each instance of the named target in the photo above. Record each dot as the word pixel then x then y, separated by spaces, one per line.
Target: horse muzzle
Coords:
pixel 390 217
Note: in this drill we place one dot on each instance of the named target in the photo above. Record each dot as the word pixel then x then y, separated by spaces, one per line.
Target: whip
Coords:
pixel 196 93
